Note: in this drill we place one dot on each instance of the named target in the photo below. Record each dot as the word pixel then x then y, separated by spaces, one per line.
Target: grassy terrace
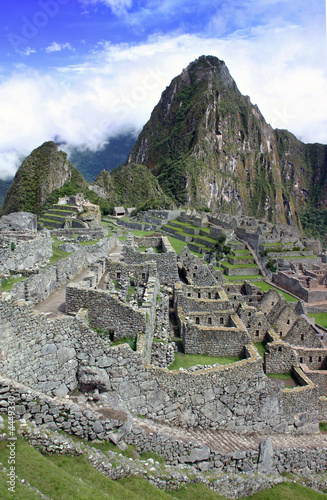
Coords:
pixel 242 256
pixel 244 251
pixel 7 284
pixel 287 378
pixel 239 266
pixel 188 360
pixel 177 245
pixel 265 287
pixel 185 224
pixel 320 318
pixel 261 347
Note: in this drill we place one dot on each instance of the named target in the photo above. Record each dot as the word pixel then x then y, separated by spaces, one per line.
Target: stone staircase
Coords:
pixel 56 216
pixel 228 442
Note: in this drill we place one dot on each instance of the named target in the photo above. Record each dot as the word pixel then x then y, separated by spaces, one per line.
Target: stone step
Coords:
pixel 228 442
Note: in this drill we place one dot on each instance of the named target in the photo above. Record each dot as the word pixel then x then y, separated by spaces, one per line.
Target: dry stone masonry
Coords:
pixel 71 373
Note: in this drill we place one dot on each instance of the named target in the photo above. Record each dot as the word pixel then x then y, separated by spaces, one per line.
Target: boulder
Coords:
pixel 266 453
pixel 91 378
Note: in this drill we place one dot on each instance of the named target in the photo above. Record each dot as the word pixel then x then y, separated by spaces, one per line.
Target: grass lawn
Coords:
pixel 58 254
pixel 265 287
pixel 261 347
pixel 88 243
pixel 140 232
pixel 241 279
pixel 188 360
pixel 177 245
pixel 323 426
pixel 320 318
pixel 8 283
pixel 66 477
pixel 244 251
pixel 286 377
pixel 239 266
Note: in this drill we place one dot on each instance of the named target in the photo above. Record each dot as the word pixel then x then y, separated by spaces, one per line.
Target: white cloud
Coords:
pixel 28 51
pixel 118 7
pixel 57 47
pixel 117 87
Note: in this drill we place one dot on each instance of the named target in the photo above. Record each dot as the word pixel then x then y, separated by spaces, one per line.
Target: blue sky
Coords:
pixel 85 70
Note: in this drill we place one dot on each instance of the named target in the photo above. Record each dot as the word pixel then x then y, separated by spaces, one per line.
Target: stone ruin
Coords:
pixel 78 353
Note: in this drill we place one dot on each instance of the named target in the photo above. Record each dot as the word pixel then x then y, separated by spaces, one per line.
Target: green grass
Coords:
pixel 8 283
pixel 265 287
pixel 242 256
pixel 188 360
pixel 261 347
pixel 139 232
pixel 196 492
pixel 185 224
pixel 122 238
pixel 244 251
pixel 239 266
pixel 88 243
pixel 286 377
pixel 323 426
pixel 206 238
pixel 280 376
pixel 320 318
pixel 65 477
pixel 288 491
pixel 241 279
pixel 177 245
pixel 58 255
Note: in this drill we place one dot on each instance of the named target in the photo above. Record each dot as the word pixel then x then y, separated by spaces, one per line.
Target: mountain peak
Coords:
pixel 208 145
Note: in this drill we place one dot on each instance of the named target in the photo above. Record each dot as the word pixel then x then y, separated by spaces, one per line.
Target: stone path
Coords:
pixel 227 442
pixel 116 253
pixel 54 305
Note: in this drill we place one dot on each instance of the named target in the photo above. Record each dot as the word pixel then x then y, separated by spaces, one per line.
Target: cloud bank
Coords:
pixel 115 87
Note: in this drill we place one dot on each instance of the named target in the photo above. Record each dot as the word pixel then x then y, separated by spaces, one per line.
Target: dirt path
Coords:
pixel 54 305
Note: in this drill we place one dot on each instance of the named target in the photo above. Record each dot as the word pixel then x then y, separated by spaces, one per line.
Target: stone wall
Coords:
pixel 296 402
pixel 86 421
pixel 304 334
pixel 38 287
pixel 46 355
pixel 319 378
pixel 64 414
pixel 215 341
pixel 279 357
pixel 315 359
pixel 23 250
pixel 323 409
pixel 166 262
pixel 291 283
pixel 194 270
pixel 163 353
pixel 91 234
pixel 106 311
pixel 197 299
pixel 250 237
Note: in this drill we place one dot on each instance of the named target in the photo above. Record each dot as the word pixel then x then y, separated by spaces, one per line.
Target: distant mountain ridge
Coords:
pixel 204 146
pixel 91 163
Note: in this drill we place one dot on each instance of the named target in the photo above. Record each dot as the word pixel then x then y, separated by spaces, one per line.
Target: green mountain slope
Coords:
pixel 130 185
pixel 208 144
pixel 43 171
